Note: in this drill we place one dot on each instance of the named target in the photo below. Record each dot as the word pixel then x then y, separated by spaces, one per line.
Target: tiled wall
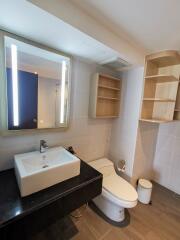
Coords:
pixel 89 137
pixel 166 164
pixel 124 129
pixel 145 151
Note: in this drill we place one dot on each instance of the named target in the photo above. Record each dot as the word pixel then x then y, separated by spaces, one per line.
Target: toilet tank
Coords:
pixel 104 166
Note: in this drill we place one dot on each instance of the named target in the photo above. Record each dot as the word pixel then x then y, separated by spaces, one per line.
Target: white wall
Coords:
pixel 124 129
pixel 89 137
pixel 166 166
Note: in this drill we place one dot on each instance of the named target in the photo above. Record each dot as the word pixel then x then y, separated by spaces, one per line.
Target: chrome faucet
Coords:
pixel 43 146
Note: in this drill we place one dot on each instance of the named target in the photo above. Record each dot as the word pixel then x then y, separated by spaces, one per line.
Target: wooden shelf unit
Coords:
pixel 162 78
pixel 158 99
pixel 112 88
pixel 177 106
pixel 108 98
pixel 104 96
pixel 153 120
pixel 164 58
pixel 161 75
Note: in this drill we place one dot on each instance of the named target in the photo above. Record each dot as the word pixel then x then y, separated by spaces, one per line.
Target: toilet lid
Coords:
pixel 145 183
pixel 120 188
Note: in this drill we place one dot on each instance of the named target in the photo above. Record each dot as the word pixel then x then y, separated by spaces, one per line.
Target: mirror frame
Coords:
pixel 3 87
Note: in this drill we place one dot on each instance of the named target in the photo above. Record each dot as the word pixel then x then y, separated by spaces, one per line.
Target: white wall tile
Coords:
pixel 162 175
pixel 166 164
pixel 174 181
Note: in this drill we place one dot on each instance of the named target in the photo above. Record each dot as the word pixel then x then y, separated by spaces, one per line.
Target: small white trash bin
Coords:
pixel 144 190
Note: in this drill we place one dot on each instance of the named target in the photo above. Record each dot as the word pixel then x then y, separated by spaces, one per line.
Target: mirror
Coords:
pixel 37 83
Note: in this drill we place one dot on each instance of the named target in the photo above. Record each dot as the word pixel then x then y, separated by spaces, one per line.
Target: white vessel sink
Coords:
pixel 36 171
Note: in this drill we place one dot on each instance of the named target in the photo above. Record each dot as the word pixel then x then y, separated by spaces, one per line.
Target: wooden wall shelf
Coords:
pixel 104 96
pixel 159 99
pixel 161 87
pixel 162 78
pixel 164 58
pixel 153 120
pixel 112 88
pixel 108 98
pixel 177 106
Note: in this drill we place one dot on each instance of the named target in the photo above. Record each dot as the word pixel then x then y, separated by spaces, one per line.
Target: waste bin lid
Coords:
pixel 145 183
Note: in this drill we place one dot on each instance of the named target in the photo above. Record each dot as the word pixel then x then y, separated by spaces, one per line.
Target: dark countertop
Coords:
pixel 13 207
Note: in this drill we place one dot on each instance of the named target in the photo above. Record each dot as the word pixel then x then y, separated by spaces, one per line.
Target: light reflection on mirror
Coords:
pixel 37 86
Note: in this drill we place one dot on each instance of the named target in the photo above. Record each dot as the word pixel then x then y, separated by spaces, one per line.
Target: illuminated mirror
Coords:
pixel 37 83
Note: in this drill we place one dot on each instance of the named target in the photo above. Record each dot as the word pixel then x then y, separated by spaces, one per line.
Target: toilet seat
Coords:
pixel 120 188
pixel 117 201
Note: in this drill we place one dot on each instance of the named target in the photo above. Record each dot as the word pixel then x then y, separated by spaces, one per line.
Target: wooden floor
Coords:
pixel 159 221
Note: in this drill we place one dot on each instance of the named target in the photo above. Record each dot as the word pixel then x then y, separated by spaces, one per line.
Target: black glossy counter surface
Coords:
pixel 71 193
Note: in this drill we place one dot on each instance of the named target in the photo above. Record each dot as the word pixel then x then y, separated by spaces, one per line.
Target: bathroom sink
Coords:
pixel 36 171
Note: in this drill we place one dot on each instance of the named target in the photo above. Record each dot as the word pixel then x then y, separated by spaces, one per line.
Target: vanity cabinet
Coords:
pixel 21 218
pixel 161 99
pixel 104 96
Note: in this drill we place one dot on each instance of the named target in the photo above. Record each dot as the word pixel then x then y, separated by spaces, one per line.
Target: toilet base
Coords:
pixel 110 210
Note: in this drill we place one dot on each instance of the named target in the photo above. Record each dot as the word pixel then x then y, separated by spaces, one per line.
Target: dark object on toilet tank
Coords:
pixel 71 150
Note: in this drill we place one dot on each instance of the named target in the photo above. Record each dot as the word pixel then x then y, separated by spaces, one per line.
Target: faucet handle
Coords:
pixel 43 145
pixel 42 142
pixel 71 150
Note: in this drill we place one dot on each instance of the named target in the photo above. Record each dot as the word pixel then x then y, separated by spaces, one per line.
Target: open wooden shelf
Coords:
pixel 177 106
pixel 159 99
pixel 102 75
pixel 161 87
pixel 153 120
pixel 162 78
pixel 177 115
pixel 164 58
pixel 108 98
pixel 105 96
pixel 111 88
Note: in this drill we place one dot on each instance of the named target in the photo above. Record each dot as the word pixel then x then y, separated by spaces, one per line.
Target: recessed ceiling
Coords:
pixel 154 24
pixel 27 20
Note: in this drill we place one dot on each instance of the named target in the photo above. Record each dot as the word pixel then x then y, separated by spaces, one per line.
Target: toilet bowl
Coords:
pixel 117 194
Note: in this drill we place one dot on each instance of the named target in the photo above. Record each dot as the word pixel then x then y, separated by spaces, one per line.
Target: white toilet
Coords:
pixel 117 193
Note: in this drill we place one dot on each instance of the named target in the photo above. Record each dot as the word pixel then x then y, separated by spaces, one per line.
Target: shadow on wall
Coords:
pixel 145 151
pixel 156 174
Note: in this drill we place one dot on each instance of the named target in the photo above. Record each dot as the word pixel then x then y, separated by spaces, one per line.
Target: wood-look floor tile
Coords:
pixel 159 221
pixel 114 235
pixel 84 232
pixel 94 223
pixel 152 236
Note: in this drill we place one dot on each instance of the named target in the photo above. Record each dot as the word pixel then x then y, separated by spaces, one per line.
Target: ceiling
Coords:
pixel 25 19
pixel 148 25
pixel 153 25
